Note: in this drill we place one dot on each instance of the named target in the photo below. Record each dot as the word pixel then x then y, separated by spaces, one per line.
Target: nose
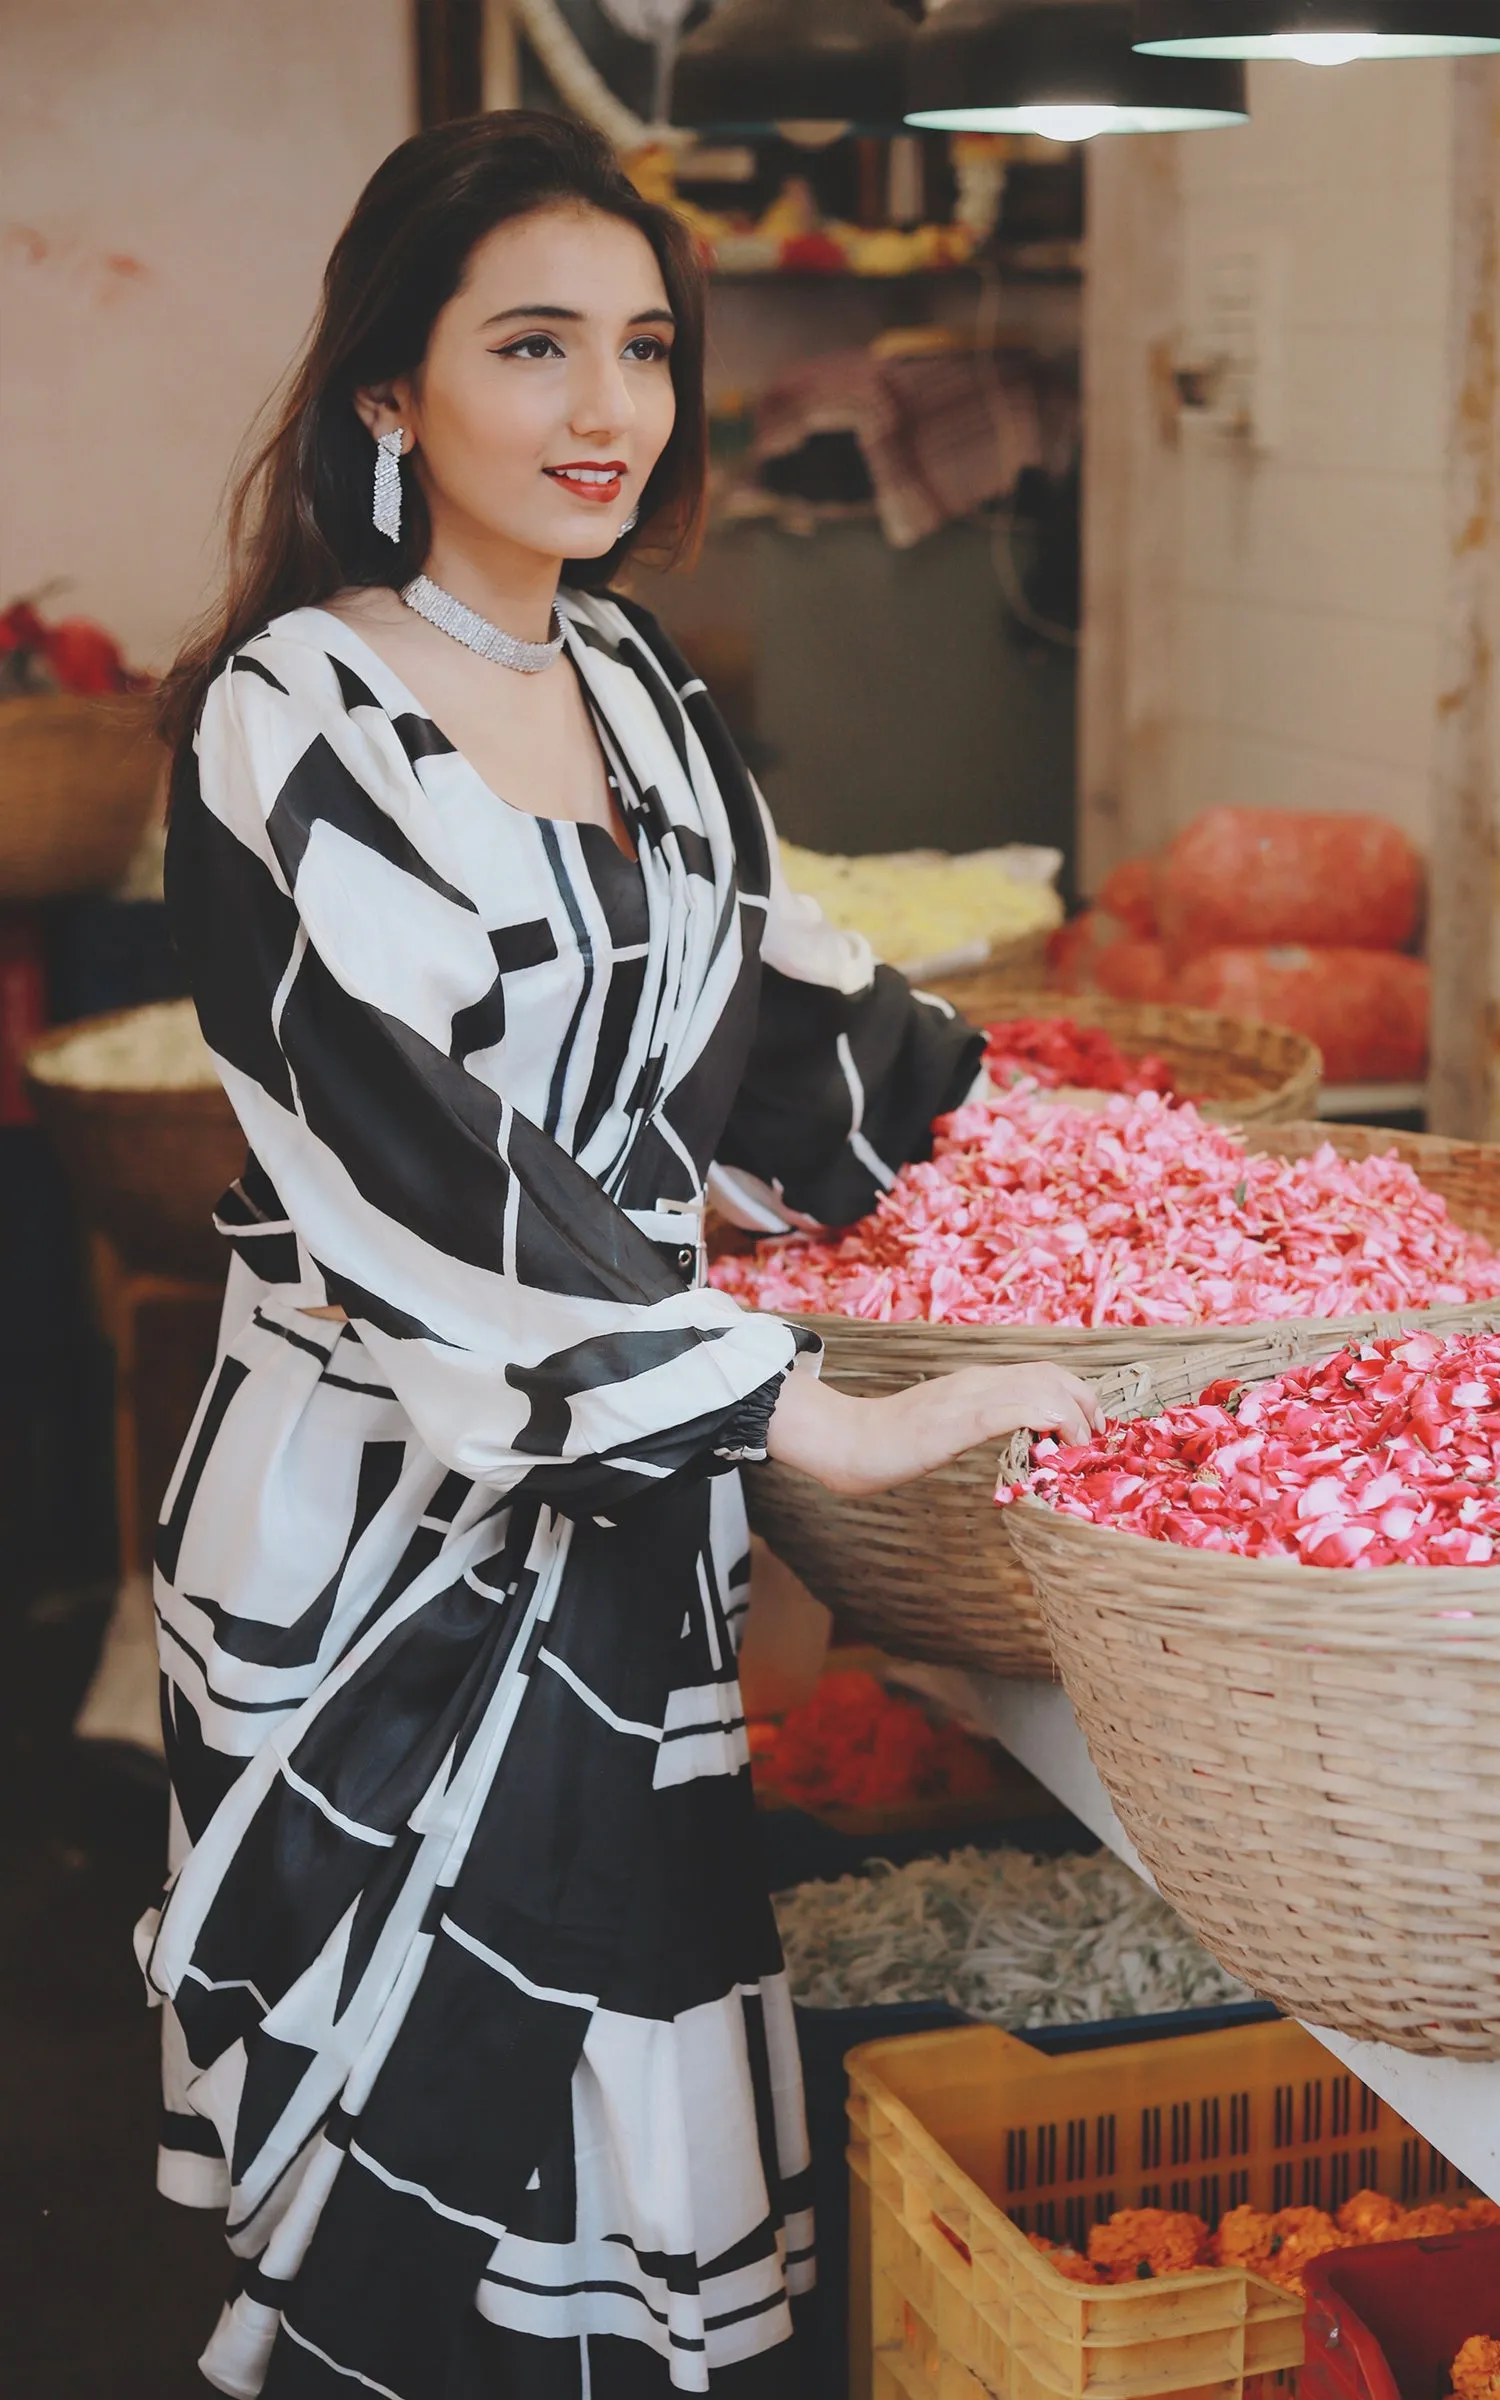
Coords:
pixel 601 400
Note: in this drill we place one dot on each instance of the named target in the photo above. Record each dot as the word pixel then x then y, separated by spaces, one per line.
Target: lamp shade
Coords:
pixel 1322 33
pixel 758 64
pixel 1060 67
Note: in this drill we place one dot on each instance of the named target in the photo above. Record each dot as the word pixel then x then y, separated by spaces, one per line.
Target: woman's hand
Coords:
pixel 855 1445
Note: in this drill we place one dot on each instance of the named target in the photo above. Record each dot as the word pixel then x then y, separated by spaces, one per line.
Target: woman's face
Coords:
pixel 545 398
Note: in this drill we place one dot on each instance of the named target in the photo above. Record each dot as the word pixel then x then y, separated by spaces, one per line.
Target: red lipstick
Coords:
pixel 590 478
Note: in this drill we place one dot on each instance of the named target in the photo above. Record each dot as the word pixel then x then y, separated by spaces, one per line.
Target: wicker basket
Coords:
pixel 1307 1760
pixel 77 779
pixel 1233 1069
pixel 929 1570
pixel 145 1167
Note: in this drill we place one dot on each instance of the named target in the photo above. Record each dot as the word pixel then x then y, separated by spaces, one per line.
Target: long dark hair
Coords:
pixel 299 516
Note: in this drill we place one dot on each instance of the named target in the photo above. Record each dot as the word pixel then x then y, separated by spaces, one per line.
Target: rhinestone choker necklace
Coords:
pixel 466 625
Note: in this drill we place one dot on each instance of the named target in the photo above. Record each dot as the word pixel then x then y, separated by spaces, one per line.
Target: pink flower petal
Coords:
pixel 1136 1214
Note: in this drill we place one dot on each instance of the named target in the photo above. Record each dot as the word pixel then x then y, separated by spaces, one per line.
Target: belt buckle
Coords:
pixel 690 1259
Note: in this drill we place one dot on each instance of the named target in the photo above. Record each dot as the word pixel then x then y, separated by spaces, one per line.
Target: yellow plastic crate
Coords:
pixel 963 2143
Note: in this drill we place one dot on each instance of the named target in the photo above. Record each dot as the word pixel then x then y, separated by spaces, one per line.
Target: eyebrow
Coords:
pixel 574 316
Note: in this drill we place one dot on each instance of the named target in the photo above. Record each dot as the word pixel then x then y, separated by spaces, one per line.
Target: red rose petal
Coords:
pixel 1339 1468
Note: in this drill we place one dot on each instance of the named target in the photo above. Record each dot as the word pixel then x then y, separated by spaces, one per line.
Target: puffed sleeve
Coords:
pixel 848 1069
pixel 536 1338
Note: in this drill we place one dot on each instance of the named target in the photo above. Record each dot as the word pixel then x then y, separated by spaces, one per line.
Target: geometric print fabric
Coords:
pixel 474 2016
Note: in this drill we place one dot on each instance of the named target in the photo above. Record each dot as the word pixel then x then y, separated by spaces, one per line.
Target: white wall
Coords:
pixel 1294 597
pixel 1313 576
pixel 172 175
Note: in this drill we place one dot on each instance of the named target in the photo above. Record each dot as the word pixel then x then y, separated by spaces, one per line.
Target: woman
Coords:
pixel 475 2018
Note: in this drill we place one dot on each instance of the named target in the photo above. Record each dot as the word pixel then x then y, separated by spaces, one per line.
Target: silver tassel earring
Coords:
pixel 629 525
pixel 387 510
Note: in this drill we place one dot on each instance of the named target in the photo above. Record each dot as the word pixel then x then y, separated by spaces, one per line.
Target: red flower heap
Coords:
pixel 856 1745
pixel 1055 1052
pixel 1388 1455
pixel 1034 1212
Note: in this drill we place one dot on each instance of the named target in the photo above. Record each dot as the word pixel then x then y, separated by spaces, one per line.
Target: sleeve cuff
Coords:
pixel 969 1079
pixel 744 1434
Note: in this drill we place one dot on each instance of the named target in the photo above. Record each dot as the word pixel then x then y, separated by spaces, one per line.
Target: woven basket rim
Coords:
pixel 1205 1334
pixel 1276 1068
pixel 1314 1583
pixel 1213 1028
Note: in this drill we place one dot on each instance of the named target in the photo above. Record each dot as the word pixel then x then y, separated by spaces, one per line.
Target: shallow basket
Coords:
pixel 145 1167
pixel 929 1570
pixel 962 2143
pixel 1230 1067
pixel 1307 1758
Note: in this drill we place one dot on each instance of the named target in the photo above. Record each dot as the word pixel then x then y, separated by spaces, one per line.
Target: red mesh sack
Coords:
pixel 1097 953
pixel 1130 894
pixel 1073 951
pixel 1367 1010
pixel 1131 970
pixel 1242 876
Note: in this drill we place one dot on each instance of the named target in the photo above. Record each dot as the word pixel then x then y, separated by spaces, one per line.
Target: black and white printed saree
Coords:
pixel 475 2020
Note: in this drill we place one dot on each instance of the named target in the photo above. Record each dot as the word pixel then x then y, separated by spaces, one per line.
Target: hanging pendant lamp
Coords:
pixel 1062 68
pixel 1321 33
pixel 813 68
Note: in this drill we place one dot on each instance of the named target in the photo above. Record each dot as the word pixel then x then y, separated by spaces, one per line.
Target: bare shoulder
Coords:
pixel 402 641
pixel 369 605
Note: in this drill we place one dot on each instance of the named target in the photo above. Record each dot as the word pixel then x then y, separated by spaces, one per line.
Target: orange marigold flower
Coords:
pixel 1475 2213
pixel 1283 2246
pixel 1291 2223
pixel 1299 2235
pixel 1067 2262
pixel 1371 2217
pixel 1149 2241
pixel 1077 2268
pixel 1476 2370
pixel 1435 2217
pixel 1245 2238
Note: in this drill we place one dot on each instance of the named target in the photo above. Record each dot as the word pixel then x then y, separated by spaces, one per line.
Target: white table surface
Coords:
pixel 1454 2105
